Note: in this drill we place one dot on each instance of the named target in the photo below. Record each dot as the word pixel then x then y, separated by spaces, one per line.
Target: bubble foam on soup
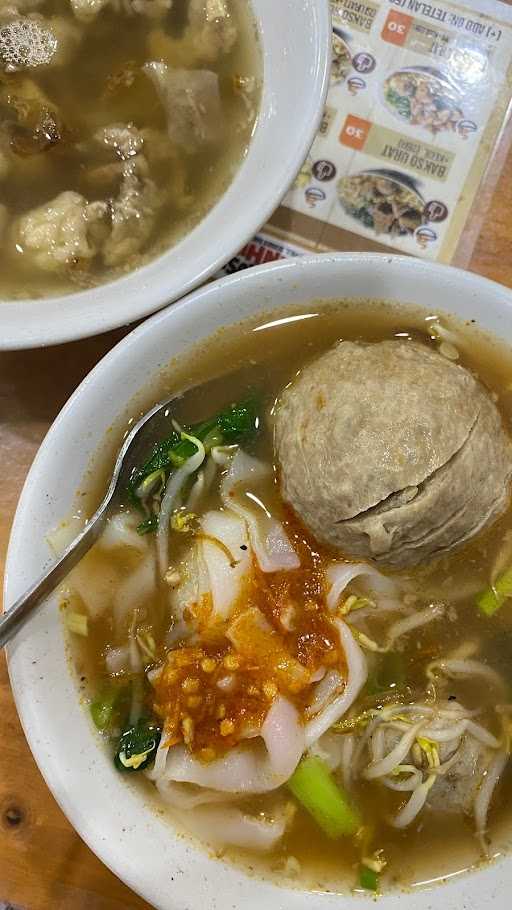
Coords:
pixel 123 123
pixel 327 723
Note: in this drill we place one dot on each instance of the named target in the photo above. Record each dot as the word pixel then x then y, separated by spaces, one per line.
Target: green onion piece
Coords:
pixel 77 623
pixel 368 879
pixel 490 600
pixel 102 711
pixel 313 785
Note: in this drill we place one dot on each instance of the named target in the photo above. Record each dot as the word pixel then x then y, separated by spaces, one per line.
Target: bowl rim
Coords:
pixel 464 282
pixel 147 289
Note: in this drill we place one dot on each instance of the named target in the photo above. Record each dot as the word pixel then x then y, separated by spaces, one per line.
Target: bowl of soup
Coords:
pixel 137 149
pixel 282 674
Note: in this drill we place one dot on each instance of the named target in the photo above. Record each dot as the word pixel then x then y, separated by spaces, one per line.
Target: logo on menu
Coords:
pixel 324 170
pixel 355 84
pixel 466 127
pixel 424 236
pixel 313 195
pixel 364 63
pixel 435 211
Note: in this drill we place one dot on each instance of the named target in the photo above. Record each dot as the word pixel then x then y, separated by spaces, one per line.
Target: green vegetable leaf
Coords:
pixel 368 879
pixel 239 422
pixel 159 460
pixel 147 526
pixel 137 746
pixel 313 785
pixel 234 424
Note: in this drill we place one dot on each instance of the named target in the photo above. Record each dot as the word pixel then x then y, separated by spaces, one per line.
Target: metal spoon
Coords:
pixel 135 447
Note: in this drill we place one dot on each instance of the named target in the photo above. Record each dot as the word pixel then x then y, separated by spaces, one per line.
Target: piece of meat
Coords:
pixel 161 153
pixel 28 110
pixel 122 138
pixel 152 9
pixel 103 178
pixel 456 790
pixel 212 27
pixel 390 451
pixel 192 103
pixel 383 217
pixel 87 10
pixel 133 213
pixel 59 233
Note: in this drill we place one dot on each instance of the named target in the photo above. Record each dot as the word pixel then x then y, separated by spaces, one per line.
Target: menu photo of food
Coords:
pixel 426 97
pixel 386 201
pixel 341 56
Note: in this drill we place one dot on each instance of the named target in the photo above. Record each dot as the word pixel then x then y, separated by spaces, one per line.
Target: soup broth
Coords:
pixel 204 678
pixel 122 122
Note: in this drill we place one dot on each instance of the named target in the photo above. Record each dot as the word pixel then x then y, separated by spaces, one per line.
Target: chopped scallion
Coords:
pixel 313 785
pixel 102 711
pixel 490 600
pixel 77 623
pixel 368 879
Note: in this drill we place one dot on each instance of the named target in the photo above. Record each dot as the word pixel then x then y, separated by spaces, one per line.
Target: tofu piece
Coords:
pixel 59 232
pixel 192 103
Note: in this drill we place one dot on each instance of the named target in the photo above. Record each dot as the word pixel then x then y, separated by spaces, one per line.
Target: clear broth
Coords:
pixel 103 84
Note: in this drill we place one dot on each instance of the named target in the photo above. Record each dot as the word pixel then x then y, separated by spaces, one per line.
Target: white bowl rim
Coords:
pixel 145 290
pixel 456 893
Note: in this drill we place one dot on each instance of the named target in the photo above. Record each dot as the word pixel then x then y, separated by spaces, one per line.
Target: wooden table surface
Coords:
pixel 43 863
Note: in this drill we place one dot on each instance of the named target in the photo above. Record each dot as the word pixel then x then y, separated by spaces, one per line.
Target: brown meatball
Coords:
pixel 390 451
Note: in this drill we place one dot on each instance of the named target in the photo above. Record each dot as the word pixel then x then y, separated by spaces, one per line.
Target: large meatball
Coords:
pixel 390 451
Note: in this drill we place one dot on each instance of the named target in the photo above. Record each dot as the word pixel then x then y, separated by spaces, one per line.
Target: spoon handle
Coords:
pixel 14 618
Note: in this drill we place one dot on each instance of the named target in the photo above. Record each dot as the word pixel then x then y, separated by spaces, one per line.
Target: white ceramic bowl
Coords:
pixel 109 815
pixel 296 44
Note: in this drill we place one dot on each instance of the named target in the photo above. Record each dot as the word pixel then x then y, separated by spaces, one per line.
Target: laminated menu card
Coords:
pixel 417 109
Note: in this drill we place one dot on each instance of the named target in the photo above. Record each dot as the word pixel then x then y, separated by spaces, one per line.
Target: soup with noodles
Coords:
pixel 297 630
pixel 121 123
